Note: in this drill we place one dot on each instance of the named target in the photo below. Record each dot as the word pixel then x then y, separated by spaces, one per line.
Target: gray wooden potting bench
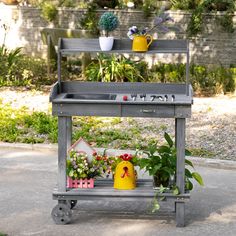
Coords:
pixel 153 100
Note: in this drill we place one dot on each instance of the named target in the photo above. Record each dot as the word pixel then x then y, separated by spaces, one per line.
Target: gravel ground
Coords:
pixel 212 126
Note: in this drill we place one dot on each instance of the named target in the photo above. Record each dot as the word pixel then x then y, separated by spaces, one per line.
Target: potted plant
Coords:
pixel 161 164
pixel 81 172
pixel 107 23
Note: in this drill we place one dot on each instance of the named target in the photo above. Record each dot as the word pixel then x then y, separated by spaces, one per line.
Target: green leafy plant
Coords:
pixel 113 69
pixel 161 164
pixel 108 22
pixel 89 21
pixel 148 7
pixel 17 69
pixel 185 4
pixel 195 25
pixel 49 11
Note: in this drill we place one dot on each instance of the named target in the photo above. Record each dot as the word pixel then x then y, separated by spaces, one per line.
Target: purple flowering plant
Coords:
pixel 160 24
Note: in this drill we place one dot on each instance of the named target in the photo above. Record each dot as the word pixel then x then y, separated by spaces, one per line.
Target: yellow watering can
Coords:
pixel 140 43
pixel 125 178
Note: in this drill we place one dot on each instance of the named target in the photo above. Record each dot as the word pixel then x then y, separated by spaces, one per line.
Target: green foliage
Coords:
pixel 17 125
pixel 148 7
pixel 49 11
pixel 206 80
pixel 168 73
pixel 226 22
pixel 67 3
pixel 2 234
pixel 201 152
pixel 195 25
pixel 219 5
pixel 8 63
pixel 90 20
pixel 161 164
pixel 17 69
pixel 212 80
pixel 185 4
pixel 113 69
pixel 108 22
pixel 100 133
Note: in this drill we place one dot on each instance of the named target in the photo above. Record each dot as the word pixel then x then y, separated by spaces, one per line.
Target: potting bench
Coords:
pixel 155 100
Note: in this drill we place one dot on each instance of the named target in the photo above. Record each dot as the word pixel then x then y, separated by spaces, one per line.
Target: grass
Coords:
pixel 2 234
pixel 199 152
pixel 20 125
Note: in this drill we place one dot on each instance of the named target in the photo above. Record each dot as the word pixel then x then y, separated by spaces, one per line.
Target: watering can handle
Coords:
pixel 148 36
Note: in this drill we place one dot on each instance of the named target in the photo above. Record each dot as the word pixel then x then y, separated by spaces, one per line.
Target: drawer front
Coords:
pixel 148 111
pixel 86 110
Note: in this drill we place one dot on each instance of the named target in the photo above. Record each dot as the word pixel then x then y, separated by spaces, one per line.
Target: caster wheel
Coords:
pixel 61 214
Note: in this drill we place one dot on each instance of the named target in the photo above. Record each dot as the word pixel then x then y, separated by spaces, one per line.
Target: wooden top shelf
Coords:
pixel 73 45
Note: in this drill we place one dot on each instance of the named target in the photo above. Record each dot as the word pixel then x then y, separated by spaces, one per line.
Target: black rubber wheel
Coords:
pixel 61 214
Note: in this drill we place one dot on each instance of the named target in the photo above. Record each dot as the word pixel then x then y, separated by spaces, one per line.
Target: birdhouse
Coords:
pixel 124 178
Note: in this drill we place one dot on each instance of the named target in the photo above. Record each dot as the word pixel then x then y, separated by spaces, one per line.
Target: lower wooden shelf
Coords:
pixel 104 189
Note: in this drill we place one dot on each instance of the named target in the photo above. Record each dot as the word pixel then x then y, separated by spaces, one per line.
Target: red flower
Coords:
pixel 94 153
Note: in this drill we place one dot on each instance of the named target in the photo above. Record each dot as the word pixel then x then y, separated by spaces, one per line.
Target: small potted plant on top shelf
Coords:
pixel 108 22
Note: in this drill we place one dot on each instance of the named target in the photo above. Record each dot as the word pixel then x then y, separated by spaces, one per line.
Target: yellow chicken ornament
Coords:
pixel 124 178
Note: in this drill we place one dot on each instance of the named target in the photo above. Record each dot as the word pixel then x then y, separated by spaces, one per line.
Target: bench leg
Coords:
pixel 180 213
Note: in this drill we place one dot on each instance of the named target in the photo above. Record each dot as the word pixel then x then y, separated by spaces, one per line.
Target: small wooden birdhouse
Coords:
pixel 82 145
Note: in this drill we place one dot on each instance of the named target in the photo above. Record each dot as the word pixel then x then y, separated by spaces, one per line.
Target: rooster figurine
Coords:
pixel 125 178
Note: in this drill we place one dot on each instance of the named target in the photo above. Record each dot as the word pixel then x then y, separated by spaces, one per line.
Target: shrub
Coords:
pixel 90 19
pixel 49 11
pixel 108 22
pixel 17 69
pixel 113 69
pixel 168 73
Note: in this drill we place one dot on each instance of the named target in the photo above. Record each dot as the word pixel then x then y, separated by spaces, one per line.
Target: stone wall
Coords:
pixel 213 46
